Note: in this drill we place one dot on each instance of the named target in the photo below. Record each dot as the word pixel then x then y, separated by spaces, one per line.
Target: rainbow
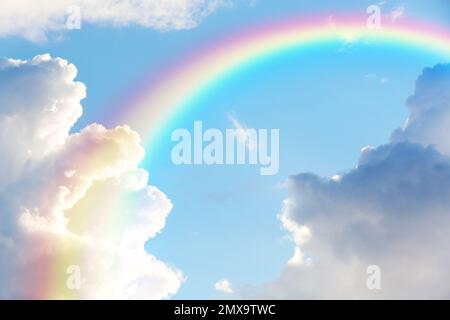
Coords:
pixel 160 98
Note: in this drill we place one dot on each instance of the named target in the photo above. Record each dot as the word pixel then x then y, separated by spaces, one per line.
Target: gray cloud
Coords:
pixel 392 210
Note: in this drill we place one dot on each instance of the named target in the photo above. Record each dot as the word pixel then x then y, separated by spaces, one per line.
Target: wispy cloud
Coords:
pixel 242 131
pixel 377 78
pixel 397 13
pixel 34 19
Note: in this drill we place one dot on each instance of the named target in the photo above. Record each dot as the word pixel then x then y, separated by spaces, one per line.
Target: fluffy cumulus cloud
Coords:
pixel 34 18
pixel 429 108
pixel 392 211
pixel 72 200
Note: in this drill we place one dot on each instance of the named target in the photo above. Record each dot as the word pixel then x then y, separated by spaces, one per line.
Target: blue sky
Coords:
pixel 328 104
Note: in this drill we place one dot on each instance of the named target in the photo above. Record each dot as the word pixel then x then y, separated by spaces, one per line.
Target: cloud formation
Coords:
pixel 224 286
pixel 33 19
pixel 429 110
pixel 75 199
pixel 392 210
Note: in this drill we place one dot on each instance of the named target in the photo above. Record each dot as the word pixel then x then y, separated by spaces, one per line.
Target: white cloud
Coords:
pixel 397 13
pixel 39 104
pixel 392 210
pixel 72 199
pixel 224 286
pixel 243 134
pixel 33 19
